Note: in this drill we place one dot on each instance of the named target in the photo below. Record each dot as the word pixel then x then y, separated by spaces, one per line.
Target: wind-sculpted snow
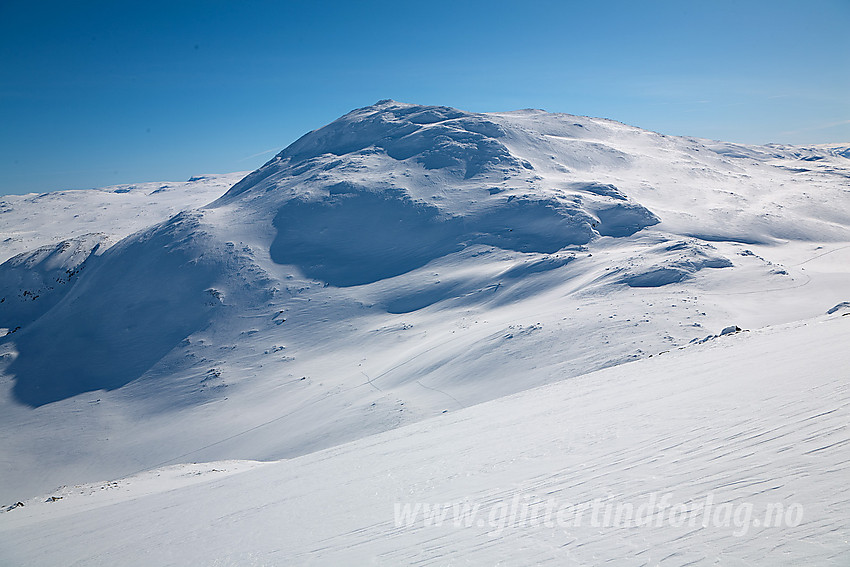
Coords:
pixel 31 283
pixel 362 237
pixel 671 263
pixel 142 298
pixel 434 137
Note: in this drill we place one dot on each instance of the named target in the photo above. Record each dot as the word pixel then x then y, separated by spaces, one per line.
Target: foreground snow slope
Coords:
pixel 400 262
pixel 740 423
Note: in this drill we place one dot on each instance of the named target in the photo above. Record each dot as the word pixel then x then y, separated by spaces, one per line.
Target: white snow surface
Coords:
pixel 749 421
pixel 350 306
pixel 30 221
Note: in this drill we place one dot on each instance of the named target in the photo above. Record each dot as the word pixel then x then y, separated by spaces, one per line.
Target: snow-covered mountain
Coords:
pixel 399 263
pixel 36 220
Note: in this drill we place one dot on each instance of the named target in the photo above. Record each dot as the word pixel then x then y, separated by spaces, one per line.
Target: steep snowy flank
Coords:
pixel 146 294
pixel 31 283
pixel 401 262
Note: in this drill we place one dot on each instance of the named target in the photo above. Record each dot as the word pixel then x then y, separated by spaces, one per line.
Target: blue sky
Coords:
pixel 100 93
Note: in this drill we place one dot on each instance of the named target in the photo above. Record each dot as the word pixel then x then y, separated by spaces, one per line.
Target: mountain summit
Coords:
pixel 388 188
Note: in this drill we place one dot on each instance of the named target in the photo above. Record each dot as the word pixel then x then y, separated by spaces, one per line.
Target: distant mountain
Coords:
pixel 398 263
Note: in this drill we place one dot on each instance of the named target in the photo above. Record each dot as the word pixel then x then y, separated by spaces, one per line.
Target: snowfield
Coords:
pixel 35 220
pixel 420 306
pixel 736 426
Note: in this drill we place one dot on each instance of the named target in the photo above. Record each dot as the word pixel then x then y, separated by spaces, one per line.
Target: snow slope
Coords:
pixel 401 262
pixel 711 436
pixel 30 221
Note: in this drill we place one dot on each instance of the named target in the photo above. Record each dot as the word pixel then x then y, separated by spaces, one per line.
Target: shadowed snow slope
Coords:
pixel 400 262
pixel 675 460
pixel 142 298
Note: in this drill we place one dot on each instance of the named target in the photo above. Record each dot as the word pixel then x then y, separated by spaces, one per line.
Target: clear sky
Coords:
pixel 100 93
